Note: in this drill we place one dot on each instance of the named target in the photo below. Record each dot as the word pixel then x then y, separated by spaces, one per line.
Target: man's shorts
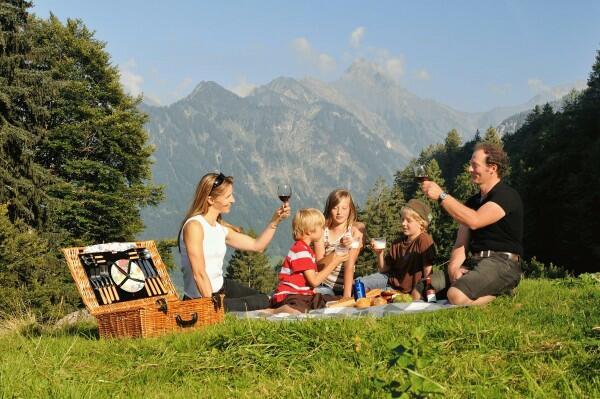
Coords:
pixel 494 275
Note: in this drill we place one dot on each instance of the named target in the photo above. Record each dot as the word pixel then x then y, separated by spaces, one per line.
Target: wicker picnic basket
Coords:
pixel 145 317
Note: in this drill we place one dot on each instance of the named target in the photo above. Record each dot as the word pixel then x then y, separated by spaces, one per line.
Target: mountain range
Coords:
pixel 315 135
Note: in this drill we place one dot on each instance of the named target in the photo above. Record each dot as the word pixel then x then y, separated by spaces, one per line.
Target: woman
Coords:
pixel 202 242
pixel 344 232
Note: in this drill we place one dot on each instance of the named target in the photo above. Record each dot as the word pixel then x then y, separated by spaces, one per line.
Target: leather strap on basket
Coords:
pixel 186 323
pixel 217 300
pixel 162 305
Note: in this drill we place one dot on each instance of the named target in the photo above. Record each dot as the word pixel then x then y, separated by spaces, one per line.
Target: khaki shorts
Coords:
pixel 487 276
pixel 495 276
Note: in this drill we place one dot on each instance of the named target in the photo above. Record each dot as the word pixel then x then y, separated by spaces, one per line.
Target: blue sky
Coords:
pixel 470 55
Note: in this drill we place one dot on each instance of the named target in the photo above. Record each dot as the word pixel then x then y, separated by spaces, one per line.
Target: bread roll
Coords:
pixel 342 303
pixel 363 303
pixel 373 293
pixel 379 301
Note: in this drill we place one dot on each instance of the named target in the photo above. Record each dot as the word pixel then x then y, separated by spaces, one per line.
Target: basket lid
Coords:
pixel 89 297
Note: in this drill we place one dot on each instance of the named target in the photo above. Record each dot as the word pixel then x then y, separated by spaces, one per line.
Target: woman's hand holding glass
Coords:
pixel 281 213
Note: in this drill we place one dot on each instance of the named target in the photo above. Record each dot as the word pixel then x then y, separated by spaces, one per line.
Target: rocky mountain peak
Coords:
pixel 368 72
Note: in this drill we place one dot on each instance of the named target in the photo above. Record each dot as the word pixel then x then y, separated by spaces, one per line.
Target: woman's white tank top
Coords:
pixel 214 252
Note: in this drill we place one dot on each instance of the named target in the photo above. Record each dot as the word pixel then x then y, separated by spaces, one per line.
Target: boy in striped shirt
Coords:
pixel 299 273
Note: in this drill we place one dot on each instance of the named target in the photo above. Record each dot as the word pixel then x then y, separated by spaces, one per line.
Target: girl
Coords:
pixel 344 232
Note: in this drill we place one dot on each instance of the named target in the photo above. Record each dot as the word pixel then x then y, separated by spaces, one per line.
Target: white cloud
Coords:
pixel 356 36
pixel 131 81
pixel 391 65
pixel 422 74
pixel 395 67
pixel 152 99
pixel 302 47
pixel 324 62
pixel 243 88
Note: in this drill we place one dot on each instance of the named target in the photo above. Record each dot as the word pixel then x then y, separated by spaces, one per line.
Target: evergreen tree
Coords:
pixel 94 139
pixel 74 156
pixel 381 215
pixel 453 141
pixel 464 188
pixel 74 152
pixel 442 227
pixel 450 159
pixel 492 136
pixel 556 158
pixel 252 269
pixel 32 274
pixel 22 180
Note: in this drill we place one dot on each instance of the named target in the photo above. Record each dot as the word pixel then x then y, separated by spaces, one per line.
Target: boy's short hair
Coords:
pixel 307 220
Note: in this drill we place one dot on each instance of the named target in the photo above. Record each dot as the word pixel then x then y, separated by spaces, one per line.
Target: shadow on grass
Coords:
pixel 85 330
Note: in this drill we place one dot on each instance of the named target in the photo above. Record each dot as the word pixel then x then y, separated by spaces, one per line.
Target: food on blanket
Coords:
pixel 388 293
pixel 402 298
pixel 379 301
pixel 363 303
pixel 373 293
pixel 342 303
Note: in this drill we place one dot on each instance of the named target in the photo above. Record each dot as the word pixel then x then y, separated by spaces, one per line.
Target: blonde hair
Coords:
pixel 307 220
pixel 333 200
pixel 208 186
pixel 411 213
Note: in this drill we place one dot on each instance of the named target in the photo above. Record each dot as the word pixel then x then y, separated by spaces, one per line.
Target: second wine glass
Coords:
pixel 284 192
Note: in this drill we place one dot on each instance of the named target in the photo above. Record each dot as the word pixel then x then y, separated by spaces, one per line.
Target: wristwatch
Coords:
pixel 443 196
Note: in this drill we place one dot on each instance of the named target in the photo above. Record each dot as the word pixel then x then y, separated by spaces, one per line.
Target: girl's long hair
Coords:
pixel 334 198
pixel 199 206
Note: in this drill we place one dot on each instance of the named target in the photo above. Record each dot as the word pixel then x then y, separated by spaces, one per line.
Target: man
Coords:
pixel 491 229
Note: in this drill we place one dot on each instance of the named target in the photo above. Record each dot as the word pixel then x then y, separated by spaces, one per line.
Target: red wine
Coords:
pixel 421 179
pixel 284 198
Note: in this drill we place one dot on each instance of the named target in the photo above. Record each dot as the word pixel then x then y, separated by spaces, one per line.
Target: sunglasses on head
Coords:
pixel 218 181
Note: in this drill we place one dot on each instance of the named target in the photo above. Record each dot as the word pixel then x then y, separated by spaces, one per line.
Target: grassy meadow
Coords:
pixel 543 343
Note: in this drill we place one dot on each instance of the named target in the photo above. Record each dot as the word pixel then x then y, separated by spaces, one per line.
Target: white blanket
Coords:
pixel 373 311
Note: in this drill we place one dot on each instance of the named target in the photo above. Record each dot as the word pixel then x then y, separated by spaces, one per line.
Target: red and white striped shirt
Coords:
pixel 291 276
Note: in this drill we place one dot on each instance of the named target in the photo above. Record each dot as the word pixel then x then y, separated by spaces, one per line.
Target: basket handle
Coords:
pixel 186 323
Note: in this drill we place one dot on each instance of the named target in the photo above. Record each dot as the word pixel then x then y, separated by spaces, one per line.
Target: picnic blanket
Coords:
pixel 372 311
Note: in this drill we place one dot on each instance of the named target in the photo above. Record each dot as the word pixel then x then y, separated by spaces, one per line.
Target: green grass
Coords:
pixel 539 343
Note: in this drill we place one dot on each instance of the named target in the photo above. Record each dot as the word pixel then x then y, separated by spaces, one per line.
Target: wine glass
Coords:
pixel 420 173
pixel 284 192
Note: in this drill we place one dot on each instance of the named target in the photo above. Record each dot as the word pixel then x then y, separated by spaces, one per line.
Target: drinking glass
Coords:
pixel 284 192
pixel 420 173
pixel 379 243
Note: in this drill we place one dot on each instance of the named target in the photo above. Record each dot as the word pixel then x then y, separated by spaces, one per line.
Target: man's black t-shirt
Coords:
pixel 506 235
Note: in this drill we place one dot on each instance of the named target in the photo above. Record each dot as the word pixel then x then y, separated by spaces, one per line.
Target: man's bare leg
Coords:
pixel 457 297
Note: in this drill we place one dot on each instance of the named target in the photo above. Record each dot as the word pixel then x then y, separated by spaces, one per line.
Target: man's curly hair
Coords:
pixel 495 155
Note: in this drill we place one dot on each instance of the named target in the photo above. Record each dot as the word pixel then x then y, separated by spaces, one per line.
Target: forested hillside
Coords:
pixel 555 166
pixel 74 157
